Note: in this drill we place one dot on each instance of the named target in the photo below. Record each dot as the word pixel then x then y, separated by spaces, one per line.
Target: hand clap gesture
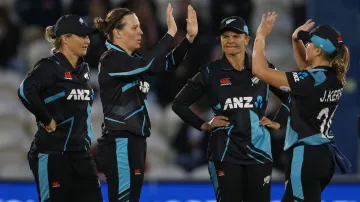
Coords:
pixel 192 24
pixel 305 27
pixel 266 25
pixel 170 21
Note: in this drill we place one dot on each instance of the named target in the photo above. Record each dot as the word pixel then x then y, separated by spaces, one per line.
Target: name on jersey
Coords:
pixel 79 94
pixel 238 102
pixel 331 96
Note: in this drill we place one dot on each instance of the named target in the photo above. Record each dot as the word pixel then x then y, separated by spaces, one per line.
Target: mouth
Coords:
pixel 85 47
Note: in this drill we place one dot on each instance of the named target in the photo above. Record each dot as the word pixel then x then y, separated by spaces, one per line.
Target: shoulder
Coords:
pixel 211 67
pixel 112 54
pixel 46 65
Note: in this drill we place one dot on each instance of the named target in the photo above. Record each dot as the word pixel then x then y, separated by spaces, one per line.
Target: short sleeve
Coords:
pixel 300 82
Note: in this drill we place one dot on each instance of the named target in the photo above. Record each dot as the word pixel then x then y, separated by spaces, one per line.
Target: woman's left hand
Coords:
pixel 268 123
pixel 266 25
pixel 191 24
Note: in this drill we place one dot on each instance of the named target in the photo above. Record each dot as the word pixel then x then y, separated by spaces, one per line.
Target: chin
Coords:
pixel 82 54
pixel 232 52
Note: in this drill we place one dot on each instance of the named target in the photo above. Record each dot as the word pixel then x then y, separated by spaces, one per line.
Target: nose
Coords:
pixel 230 40
pixel 87 40
pixel 140 32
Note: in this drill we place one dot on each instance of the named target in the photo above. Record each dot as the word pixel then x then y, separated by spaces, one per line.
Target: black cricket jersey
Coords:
pixel 124 87
pixel 56 90
pixel 241 97
pixel 315 95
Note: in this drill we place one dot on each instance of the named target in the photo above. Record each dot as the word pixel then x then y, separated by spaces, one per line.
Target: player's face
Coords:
pixel 77 45
pixel 131 33
pixel 233 43
pixel 311 52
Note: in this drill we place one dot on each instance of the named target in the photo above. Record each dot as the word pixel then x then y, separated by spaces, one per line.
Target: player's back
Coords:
pixel 315 95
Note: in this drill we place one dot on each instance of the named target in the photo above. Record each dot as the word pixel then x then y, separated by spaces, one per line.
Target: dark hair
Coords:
pixel 114 19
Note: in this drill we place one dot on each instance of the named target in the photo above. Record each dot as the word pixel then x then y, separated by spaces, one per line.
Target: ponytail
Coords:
pixel 51 37
pixel 340 62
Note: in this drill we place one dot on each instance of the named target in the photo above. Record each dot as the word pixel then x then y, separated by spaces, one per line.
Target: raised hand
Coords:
pixel 305 27
pixel 266 25
pixel 170 21
pixel 191 24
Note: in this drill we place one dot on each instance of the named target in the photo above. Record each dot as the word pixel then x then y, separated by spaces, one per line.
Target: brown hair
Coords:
pixel 340 61
pixel 114 19
pixel 51 37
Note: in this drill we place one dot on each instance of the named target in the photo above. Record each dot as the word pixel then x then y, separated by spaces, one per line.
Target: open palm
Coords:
pixel 192 23
pixel 266 25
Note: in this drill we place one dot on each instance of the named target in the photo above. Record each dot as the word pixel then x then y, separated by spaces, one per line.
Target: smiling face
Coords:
pixel 233 43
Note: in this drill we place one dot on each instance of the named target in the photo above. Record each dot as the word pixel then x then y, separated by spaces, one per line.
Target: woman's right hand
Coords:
pixel 217 121
pixel 305 27
pixel 51 127
pixel 170 21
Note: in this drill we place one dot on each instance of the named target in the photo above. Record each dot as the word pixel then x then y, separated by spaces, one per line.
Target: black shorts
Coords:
pixel 308 171
pixel 65 177
pixel 121 156
pixel 236 182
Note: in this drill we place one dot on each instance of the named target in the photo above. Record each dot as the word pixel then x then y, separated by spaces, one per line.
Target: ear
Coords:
pixel 117 33
pixel 318 51
pixel 247 40
pixel 64 40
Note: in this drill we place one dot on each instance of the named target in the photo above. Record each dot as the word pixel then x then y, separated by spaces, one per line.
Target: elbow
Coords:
pixel 175 107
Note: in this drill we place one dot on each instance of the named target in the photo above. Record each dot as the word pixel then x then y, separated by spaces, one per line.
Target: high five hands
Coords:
pixel 191 23
pixel 266 25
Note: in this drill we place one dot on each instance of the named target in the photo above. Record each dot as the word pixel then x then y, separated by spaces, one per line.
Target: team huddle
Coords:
pixel 58 93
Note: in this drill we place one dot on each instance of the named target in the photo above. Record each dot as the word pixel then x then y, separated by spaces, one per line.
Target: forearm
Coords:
pixel 259 61
pixel 299 53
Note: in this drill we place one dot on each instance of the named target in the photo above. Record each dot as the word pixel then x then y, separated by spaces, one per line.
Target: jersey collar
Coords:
pixel 110 45
pixel 65 63
pixel 227 66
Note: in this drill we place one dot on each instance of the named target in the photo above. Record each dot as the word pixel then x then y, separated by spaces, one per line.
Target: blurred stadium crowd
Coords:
pixel 175 150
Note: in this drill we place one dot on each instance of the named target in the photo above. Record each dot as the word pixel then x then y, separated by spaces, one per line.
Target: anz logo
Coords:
pixel 238 102
pixel 258 102
pixel 79 94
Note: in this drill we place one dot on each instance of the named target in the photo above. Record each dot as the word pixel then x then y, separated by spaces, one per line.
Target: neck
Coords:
pixel 236 60
pixel 319 62
pixel 122 45
pixel 73 59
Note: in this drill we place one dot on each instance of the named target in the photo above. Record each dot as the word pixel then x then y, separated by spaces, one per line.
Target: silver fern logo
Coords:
pixel 267 180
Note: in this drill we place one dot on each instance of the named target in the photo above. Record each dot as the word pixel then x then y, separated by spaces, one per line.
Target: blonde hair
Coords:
pixel 51 37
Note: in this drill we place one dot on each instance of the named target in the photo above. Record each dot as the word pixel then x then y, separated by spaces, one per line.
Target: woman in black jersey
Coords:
pixel 123 73
pixel 315 94
pixel 239 151
pixel 58 93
